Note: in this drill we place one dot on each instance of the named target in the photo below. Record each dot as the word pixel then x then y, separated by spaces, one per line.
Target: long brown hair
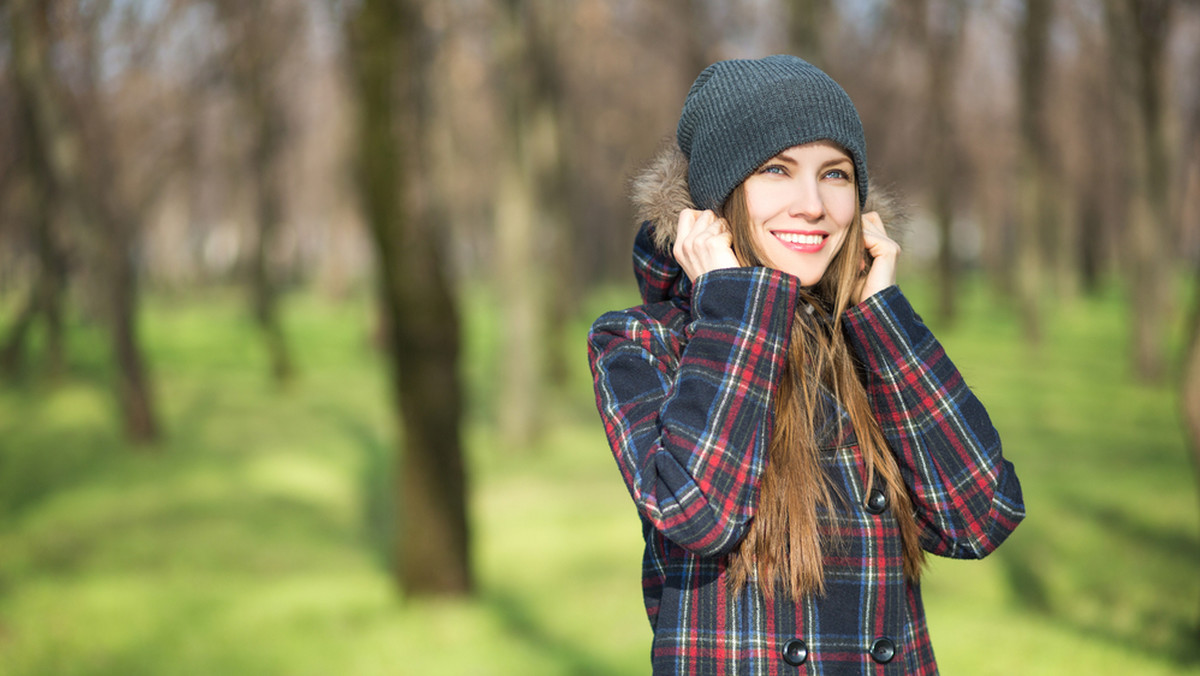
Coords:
pixel 795 488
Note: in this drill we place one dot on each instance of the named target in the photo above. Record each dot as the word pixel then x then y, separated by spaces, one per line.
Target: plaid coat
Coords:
pixel 685 386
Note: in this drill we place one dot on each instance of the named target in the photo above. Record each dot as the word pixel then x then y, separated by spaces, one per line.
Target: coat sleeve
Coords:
pixel 967 496
pixel 688 416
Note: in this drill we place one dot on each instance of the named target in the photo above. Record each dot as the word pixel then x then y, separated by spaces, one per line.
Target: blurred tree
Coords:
pixel 557 222
pixel 531 209
pixel 1186 203
pixel 80 161
pixel 806 27
pixel 46 295
pixel 1035 177
pixel 1190 377
pixel 1091 151
pixel 1190 384
pixel 701 47
pixel 260 35
pixel 629 70
pixel 1138 32
pixel 419 310
pixel 943 29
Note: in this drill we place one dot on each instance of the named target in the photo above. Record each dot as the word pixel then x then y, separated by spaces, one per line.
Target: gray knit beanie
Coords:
pixel 741 113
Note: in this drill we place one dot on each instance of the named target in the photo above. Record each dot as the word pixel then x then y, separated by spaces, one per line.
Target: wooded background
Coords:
pixel 418 149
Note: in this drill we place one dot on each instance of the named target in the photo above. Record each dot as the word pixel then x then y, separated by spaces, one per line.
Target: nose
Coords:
pixel 807 202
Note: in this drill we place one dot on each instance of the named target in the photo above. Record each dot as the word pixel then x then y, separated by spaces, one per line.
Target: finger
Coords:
pixel 702 231
pixel 873 221
pixel 683 229
pixel 875 236
pixel 715 235
pixel 687 222
pixel 705 221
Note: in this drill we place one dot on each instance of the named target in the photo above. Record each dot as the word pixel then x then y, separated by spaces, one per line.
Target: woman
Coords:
pixel 793 436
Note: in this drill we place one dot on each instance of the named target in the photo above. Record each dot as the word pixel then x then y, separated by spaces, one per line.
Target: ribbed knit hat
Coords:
pixel 741 113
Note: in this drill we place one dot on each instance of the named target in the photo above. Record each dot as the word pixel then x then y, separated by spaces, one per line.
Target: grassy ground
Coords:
pixel 253 540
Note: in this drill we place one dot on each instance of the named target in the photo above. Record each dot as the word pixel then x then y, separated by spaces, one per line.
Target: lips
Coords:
pixel 802 242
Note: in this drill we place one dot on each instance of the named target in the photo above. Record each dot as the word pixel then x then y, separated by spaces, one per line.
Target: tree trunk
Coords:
pixel 419 311
pixel 1088 240
pixel 554 167
pixel 53 279
pixel 1147 24
pixel 806 22
pixel 268 181
pixel 519 297
pixel 943 37
pixel 1190 387
pixel 699 49
pixel 531 197
pixel 259 35
pixel 133 385
pixel 12 353
pixel 1034 178
pixel 86 203
pixel 45 298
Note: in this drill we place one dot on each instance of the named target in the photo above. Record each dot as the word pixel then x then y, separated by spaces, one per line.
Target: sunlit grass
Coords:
pixel 255 538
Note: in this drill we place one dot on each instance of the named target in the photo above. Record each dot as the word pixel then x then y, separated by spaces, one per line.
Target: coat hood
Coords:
pixel 660 191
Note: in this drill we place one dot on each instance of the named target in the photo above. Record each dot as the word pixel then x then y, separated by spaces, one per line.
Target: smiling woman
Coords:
pixel 793 436
pixel 800 204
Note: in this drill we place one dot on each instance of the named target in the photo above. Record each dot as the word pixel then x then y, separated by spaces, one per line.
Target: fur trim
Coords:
pixel 660 191
pixel 891 209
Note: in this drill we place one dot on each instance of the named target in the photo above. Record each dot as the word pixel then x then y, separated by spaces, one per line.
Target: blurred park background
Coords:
pixel 294 296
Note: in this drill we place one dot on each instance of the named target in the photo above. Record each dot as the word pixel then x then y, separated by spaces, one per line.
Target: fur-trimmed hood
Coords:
pixel 660 191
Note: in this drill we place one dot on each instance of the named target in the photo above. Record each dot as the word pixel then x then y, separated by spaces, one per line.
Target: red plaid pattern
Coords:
pixel 685 387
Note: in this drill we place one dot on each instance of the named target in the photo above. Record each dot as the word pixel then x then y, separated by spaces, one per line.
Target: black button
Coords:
pixel 883 650
pixel 877 501
pixel 795 652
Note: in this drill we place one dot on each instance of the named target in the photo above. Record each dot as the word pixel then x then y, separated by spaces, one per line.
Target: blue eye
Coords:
pixel 773 169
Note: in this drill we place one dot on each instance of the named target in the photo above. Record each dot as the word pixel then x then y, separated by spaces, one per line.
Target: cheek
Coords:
pixel 838 245
pixel 841 203
pixel 757 216
pixel 840 241
pixel 843 214
pixel 763 202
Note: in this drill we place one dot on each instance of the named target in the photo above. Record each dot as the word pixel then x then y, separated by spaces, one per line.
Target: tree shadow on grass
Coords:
pixel 1024 579
pixel 233 532
pixel 517 617
pixel 1165 620
pixel 1159 541
pixel 375 487
pixel 33 467
pixel 37 463
pixel 200 505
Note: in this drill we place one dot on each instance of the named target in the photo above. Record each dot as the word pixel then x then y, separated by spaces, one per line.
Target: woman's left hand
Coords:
pixel 882 251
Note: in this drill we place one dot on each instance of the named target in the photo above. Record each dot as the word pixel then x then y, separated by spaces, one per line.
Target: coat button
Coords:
pixel 795 652
pixel 883 650
pixel 877 501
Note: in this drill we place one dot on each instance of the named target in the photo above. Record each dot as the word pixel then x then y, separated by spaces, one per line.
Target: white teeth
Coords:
pixel 796 238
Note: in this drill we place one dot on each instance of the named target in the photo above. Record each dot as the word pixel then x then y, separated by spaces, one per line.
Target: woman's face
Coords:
pixel 801 204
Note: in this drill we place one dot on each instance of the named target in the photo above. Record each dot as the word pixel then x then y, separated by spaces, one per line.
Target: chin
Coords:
pixel 808 278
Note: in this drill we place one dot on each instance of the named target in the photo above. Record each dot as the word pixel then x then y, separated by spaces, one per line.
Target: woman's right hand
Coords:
pixel 703 243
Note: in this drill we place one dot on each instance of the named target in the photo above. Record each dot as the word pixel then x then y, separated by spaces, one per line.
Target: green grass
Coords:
pixel 254 539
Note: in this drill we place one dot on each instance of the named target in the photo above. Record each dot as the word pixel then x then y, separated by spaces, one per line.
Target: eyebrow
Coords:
pixel 841 159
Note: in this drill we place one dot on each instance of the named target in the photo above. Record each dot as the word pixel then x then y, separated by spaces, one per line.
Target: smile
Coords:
pixel 804 242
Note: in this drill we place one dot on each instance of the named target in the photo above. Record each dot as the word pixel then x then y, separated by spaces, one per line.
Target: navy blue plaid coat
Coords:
pixel 685 385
